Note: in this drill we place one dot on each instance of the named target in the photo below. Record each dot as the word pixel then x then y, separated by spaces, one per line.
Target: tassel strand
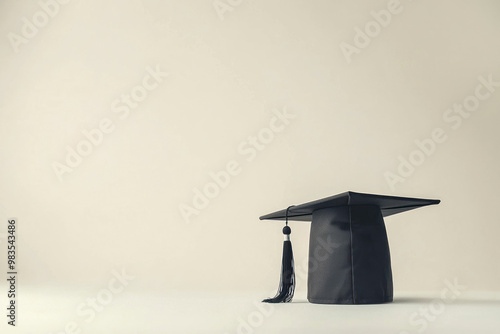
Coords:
pixel 287 277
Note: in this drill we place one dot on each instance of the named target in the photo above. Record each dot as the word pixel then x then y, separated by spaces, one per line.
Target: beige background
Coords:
pixel 120 207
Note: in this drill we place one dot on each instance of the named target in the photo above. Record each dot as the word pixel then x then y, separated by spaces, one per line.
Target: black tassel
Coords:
pixel 287 277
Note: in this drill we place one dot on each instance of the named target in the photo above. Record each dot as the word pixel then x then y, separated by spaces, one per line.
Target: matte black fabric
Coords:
pixel 349 259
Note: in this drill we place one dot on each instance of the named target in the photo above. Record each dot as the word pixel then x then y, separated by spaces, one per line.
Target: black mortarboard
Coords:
pixel 349 259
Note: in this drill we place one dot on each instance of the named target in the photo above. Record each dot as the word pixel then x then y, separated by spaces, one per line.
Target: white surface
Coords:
pixel 120 206
pixel 178 312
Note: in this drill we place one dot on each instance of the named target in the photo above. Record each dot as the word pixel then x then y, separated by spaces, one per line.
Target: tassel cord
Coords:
pixel 287 277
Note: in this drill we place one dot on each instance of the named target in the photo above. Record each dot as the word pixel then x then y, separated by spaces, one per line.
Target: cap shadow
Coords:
pixel 425 300
pixel 458 301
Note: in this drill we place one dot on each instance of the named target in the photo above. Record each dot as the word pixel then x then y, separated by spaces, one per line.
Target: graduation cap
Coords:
pixel 349 259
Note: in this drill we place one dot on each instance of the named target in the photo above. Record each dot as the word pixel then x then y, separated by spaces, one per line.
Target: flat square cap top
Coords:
pixel 389 205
